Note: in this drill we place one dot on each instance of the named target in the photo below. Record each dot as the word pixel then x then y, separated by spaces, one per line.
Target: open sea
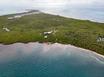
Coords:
pixel 84 13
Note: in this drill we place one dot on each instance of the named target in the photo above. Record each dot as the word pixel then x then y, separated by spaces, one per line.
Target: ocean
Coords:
pixel 84 13
pixel 49 60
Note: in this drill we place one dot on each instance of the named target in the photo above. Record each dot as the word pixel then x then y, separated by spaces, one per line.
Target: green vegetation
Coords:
pixel 30 28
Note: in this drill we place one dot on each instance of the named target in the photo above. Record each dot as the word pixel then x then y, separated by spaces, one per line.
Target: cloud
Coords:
pixel 74 8
pixel 48 4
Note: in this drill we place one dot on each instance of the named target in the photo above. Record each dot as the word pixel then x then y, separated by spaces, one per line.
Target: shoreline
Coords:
pixel 32 28
pixel 50 43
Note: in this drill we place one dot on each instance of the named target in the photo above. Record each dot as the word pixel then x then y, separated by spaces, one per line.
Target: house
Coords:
pixel 100 39
pixel 6 29
pixel 48 33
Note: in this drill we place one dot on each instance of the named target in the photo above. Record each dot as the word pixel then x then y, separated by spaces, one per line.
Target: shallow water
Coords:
pixel 49 60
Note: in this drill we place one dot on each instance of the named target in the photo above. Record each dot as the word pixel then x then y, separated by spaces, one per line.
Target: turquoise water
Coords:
pixel 49 60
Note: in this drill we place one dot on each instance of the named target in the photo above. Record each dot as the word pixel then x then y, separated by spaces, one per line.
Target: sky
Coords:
pixel 49 3
pixel 74 8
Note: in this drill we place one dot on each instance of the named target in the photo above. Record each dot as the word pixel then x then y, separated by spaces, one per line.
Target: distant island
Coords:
pixel 34 25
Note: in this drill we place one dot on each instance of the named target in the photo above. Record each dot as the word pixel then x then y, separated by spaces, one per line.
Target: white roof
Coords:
pixel 6 29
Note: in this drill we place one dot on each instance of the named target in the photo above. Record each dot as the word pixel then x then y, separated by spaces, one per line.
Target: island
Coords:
pixel 34 25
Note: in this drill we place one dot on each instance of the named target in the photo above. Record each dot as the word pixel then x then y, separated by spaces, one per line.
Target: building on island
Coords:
pixel 6 29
